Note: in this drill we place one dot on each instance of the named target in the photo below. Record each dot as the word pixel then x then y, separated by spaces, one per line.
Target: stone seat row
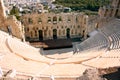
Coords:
pixel 3 40
pixel 96 42
pixel 112 32
pixel 107 37
pixel 115 40
pixel 111 27
pixel 106 60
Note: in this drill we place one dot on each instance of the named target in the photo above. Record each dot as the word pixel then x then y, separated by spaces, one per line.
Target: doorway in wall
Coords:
pixel 54 33
pixel 68 33
pixel 40 35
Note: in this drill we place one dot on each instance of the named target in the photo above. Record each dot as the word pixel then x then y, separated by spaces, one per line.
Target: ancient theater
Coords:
pixel 61 46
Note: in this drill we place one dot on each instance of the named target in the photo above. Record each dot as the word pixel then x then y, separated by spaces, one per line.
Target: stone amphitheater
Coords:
pixel 20 61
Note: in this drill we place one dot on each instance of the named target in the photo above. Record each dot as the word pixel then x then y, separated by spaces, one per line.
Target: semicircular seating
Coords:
pixel 107 36
pixel 93 56
pixel 111 27
pixel 115 43
pixel 112 31
pixel 96 42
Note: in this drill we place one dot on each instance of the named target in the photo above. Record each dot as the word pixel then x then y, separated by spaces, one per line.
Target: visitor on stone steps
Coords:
pixel 9 30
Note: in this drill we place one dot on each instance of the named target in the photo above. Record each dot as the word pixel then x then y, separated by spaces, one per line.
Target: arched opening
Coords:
pixel 106 13
pixel 60 18
pixel 116 13
pixel 83 33
pixel 54 18
pixel 49 19
pixel 40 35
pixel 54 33
pixel 68 33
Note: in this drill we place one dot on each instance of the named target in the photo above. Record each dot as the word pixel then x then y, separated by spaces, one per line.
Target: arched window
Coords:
pixel 39 20
pixel 78 26
pixel 69 19
pixel 54 18
pixel 30 21
pixel 60 18
pixel 49 19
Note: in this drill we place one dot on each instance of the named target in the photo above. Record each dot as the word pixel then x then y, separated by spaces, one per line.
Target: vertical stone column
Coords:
pixel 2 9
pixel 86 27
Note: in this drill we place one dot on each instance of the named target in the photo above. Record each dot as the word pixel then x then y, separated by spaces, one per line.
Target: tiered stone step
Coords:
pixel 95 42
pixel 115 43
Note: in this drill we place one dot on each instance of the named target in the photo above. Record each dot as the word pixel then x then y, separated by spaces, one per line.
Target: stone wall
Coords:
pixel 47 25
pixel 111 10
pixel 91 74
pixel 17 28
pixel 63 25
pixel 92 23
pixel 108 12
pixel 2 9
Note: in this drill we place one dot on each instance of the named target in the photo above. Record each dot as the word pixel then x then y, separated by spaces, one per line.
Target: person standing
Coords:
pixel 9 30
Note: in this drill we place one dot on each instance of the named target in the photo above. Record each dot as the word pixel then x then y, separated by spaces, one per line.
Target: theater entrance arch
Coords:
pixel 54 33
pixel 40 35
pixel 68 33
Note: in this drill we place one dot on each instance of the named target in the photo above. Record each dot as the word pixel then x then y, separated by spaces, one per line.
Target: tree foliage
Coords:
pixel 81 5
pixel 15 11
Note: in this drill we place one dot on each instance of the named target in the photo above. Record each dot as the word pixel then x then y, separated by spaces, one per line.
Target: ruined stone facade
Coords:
pixel 5 21
pixel 67 25
pixel 105 14
pixel 112 10
pixel 54 26
pixel 2 9
pixel 116 8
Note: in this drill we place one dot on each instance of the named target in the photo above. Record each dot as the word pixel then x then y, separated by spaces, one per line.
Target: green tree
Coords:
pixel 82 5
pixel 15 12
